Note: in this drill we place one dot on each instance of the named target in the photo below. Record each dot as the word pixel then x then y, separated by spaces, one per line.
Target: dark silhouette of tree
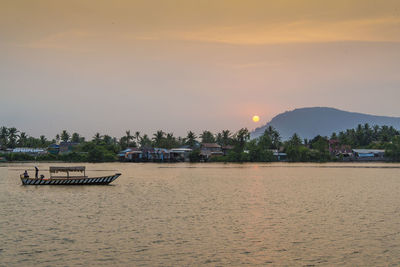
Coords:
pixel 137 137
pixel 240 138
pixel 3 136
pixel 145 141
pixel 22 139
pixel 97 138
pixel 158 138
pixel 207 137
pixel 393 149
pixel 76 138
pixel 128 138
pixel 191 139
pixel 224 138
pixel 12 137
pixel 65 136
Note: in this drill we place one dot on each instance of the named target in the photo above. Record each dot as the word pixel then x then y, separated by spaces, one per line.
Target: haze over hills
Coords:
pixel 310 122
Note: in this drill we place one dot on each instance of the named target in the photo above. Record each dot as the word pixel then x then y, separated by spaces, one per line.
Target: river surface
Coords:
pixel 205 214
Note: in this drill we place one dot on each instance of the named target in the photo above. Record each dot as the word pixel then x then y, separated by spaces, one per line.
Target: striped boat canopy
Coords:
pixel 67 169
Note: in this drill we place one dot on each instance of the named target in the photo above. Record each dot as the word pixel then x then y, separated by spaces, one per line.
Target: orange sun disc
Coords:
pixel 256 118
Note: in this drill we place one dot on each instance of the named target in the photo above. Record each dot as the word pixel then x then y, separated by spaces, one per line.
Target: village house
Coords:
pixel 278 155
pixel 344 152
pixel 208 150
pixel 130 154
pixel 28 150
pixel 53 149
pixel 335 148
pixel 369 154
pixel 180 154
pixel 226 149
pixel 66 147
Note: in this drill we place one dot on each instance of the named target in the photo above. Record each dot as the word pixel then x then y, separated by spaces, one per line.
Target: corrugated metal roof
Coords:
pixel 210 145
pixel 368 151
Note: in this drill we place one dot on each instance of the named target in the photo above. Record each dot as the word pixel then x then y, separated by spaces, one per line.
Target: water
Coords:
pixel 205 214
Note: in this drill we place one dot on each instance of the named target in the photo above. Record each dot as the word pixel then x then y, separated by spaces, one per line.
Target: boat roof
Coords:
pixel 67 169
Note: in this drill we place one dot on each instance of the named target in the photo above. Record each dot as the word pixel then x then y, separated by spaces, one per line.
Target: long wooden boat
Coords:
pixel 69 180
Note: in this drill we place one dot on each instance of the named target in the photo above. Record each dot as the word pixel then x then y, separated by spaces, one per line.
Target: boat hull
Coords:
pixel 103 180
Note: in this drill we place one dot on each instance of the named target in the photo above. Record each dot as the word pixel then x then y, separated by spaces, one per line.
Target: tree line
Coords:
pixel 241 149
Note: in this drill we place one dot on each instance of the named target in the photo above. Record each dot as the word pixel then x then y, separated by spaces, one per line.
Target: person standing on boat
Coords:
pixel 36 172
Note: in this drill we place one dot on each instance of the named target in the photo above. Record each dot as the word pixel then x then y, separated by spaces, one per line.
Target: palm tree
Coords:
pixel 241 137
pixel 207 137
pixel 137 137
pixel 97 138
pixel 295 140
pixel 22 139
pixel 3 136
pixel 12 136
pixel 75 138
pixel 145 141
pixel 181 141
pixel 43 141
pixel 129 137
pixel 191 139
pixel 274 135
pixel 226 137
pixel 65 136
pixel 158 137
pixel 170 141
pixel 107 139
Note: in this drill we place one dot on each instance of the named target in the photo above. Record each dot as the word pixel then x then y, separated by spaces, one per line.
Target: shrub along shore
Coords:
pixel 104 148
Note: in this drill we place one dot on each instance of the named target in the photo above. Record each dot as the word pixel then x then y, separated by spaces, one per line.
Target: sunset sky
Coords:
pixel 109 66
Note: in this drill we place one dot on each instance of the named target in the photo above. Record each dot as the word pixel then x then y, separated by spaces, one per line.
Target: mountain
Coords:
pixel 310 122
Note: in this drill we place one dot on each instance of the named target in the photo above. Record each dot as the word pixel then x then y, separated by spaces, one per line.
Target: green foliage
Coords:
pixel 191 139
pixel 18 157
pixel 393 149
pixel 239 140
pixel 96 151
pixel 298 153
pixel 207 137
pixel 194 156
pixel 295 151
pixel 74 157
pixel 48 157
pixel 12 137
pixel 364 135
pixel 158 138
pixel 145 141
pixel 234 156
pixel 76 138
pixel 224 138
pixel 217 159
pixel 100 154
pixel 260 149
pixel 259 152
pixel 65 136
pixel 104 147
pixel 273 136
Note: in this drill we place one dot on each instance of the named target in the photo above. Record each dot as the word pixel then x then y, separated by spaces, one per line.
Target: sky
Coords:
pixel 92 66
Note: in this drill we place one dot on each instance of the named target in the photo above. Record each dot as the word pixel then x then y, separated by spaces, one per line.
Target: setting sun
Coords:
pixel 256 118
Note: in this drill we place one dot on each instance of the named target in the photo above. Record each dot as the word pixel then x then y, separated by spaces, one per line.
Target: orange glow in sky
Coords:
pixel 107 66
